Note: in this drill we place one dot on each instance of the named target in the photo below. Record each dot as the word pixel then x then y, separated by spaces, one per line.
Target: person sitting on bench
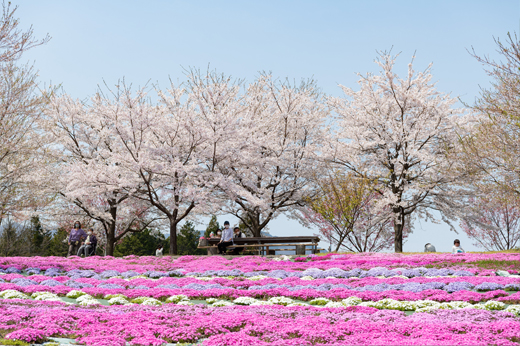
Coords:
pixel 89 246
pixel 238 234
pixel 226 239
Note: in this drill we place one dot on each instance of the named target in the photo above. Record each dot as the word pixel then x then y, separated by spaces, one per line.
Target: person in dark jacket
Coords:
pixel 76 237
pixel 89 245
pixel 238 234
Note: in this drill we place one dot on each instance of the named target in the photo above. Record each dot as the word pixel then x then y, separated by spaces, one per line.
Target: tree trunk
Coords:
pixel 111 236
pixel 398 240
pixel 256 232
pixel 111 239
pixel 173 238
pixel 256 228
pixel 398 229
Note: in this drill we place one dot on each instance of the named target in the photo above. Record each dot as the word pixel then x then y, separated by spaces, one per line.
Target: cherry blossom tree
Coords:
pixel 162 152
pixel 13 41
pixel 84 173
pixel 346 214
pixel 21 103
pixel 493 221
pixel 276 153
pixel 396 131
pixel 21 145
pixel 258 143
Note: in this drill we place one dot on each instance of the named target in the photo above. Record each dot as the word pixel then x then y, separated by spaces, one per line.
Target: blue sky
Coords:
pixel 96 41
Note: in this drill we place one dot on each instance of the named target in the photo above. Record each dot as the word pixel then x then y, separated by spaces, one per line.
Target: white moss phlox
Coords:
pixel 177 299
pixel 245 301
pixel 151 302
pixel 75 294
pixel 13 294
pixel 118 301
pixel 352 301
pixel 280 300
pixel 220 303
pixel 48 296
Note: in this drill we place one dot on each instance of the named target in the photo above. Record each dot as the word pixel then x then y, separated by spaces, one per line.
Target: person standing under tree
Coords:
pixel 77 235
pixel 226 239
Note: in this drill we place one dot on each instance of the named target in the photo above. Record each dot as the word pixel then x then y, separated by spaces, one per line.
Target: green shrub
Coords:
pixel 13 342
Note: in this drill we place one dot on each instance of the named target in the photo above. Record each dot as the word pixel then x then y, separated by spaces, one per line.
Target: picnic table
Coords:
pixel 263 244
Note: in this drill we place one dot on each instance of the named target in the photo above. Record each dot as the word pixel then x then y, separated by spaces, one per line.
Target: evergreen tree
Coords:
pixel 57 245
pixel 245 229
pixel 37 234
pixel 188 239
pixel 9 244
pixel 36 237
pixel 140 244
pixel 28 239
pixel 166 244
pixel 213 226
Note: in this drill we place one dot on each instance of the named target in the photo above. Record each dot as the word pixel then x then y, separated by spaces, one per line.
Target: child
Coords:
pixel 456 247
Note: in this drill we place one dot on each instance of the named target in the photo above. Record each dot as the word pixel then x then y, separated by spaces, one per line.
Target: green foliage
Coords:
pixel 140 244
pixel 9 243
pixel 166 245
pixel 30 239
pixel 13 342
pixel 244 228
pixel 36 238
pixel 213 226
pixel 344 211
pixel 188 239
pixel 37 231
pixel 341 200
pixel 27 239
pixel 496 264
pixel 57 245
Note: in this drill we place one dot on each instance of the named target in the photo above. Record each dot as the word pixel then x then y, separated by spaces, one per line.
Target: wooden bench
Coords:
pixel 264 243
